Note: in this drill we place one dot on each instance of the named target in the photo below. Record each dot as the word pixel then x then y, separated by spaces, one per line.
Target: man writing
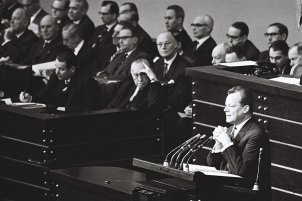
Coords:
pixel 237 148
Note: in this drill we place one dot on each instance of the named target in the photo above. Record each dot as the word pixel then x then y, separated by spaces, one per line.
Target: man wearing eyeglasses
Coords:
pixel 238 35
pixel 36 13
pixel 77 14
pixel 59 10
pixel 275 31
pixel 102 42
pixel 200 51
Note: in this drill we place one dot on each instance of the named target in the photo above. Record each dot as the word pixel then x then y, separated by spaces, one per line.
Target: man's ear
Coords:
pixel 246 109
pixel 283 36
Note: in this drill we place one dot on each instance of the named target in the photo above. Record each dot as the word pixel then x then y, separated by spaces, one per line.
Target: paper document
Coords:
pixel 288 80
pixel 239 63
pixel 207 170
pixel 44 69
pixel 30 105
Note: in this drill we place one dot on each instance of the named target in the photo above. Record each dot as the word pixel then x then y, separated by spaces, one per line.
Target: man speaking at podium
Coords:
pixel 237 148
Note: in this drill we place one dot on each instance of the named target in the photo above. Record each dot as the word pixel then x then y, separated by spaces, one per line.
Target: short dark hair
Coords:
pixel 280 45
pixel 179 11
pixel 282 28
pixel 113 7
pixel 73 30
pixel 242 26
pixel 134 11
pixel 132 28
pixel 69 57
pixel 238 50
pixel 246 96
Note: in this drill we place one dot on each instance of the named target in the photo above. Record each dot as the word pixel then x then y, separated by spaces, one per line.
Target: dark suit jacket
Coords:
pixel 39 17
pixel 86 27
pixel 264 56
pixel 39 54
pixel 183 37
pixel 85 58
pixel 103 48
pixel 150 96
pixel 81 94
pixel 252 52
pixel 64 22
pixel 179 93
pixel 119 68
pixel 203 55
pixel 18 48
pixel 242 157
pixel 145 42
pixel 7 12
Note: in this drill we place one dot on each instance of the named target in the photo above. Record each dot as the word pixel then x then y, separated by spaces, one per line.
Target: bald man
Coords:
pixel 200 50
pixel 218 53
pixel 18 39
pixel 47 47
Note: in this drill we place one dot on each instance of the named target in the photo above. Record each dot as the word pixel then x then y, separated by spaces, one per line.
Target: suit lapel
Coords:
pixel 242 131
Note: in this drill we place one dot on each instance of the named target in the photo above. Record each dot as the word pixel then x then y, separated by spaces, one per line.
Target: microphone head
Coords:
pixel 256 187
pixel 166 163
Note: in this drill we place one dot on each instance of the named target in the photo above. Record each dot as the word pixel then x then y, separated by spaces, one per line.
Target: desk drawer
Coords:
pixel 23 171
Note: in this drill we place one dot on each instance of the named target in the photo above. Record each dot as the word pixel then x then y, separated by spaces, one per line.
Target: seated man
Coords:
pixel 235 54
pixel 295 56
pixel 238 35
pixel 218 53
pixel 141 92
pixel 67 88
pixel 278 55
pixel 237 148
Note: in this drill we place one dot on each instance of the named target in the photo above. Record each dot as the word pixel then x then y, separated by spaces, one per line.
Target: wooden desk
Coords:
pixel 277 108
pixel 33 141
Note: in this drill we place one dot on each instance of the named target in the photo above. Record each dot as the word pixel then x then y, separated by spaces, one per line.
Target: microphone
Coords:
pixel 256 186
pixel 192 153
pixel 166 163
pixel 183 149
pixel 2 94
pixel 193 145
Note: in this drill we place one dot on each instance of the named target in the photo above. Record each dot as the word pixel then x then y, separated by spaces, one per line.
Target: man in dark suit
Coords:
pixel 129 12
pixel 170 69
pixel 237 148
pixel 48 46
pixel 36 13
pixel 200 51
pixel 238 35
pixel 77 14
pixel 143 91
pixel 118 70
pixel 17 38
pixel 7 8
pixel 174 19
pixel 102 42
pixel 59 10
pixel 275 31
pixel 67 88
pixel 73 39
pixel 278 54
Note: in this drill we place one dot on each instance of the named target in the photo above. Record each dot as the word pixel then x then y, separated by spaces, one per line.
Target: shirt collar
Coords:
pixel 77 22
pixel 78 47
pixel 239 126
pixel 202 40
pixel 169 62
pixel 20 34
pixel 109 26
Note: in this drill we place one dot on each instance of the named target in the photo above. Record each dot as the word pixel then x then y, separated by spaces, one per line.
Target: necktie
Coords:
pixel 45 44
pixel 165 70
pixel 233 133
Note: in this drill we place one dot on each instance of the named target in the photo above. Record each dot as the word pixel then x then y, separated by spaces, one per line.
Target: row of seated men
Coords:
pixel 96 46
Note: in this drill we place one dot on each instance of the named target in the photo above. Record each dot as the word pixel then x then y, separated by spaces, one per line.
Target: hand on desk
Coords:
pixel 25 97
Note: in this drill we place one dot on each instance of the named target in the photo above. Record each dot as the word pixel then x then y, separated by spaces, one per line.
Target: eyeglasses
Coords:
pixel 57 9
pixel 232 37
pixel 163 44
pixel 123 37
pixel 103 13
pixel 198 25
pixel 271 34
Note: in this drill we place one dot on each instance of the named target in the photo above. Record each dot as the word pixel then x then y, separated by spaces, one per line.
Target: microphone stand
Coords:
pixel 190 147
pixel 193 152
pixel 256 186
pixel 166 163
